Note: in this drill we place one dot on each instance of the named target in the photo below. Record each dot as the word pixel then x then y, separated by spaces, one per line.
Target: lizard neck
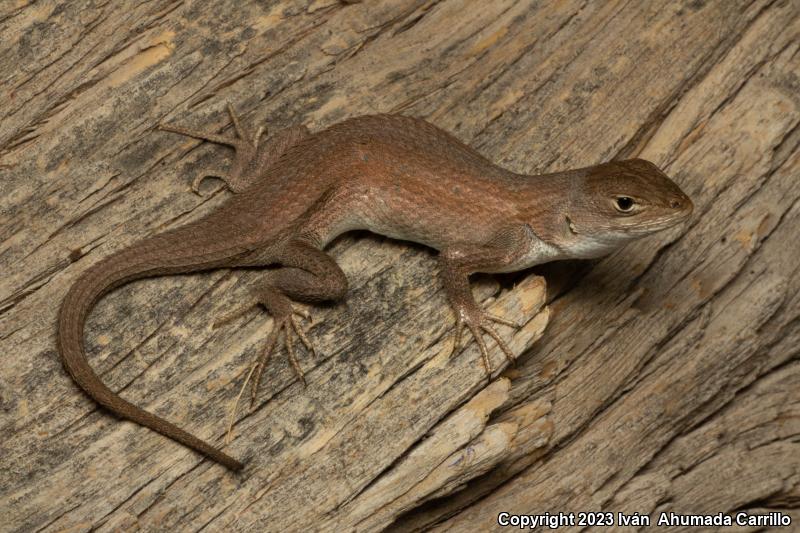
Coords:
pixel 551 204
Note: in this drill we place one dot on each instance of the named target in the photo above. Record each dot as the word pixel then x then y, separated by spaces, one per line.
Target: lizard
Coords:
pixel 393 175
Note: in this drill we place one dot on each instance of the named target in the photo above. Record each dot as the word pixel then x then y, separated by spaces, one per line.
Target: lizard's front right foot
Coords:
pixel 479 322
pixel 245 145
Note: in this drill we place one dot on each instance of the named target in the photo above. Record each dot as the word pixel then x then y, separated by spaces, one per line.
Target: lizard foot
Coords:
pixel 245 145
pixel 288 324
pixel 479 322
pixel 285 322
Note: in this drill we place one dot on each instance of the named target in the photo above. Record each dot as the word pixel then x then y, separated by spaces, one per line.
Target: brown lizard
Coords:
pixel 393 175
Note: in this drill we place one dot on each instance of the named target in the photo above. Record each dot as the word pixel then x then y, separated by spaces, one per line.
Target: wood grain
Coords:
pixel 667 379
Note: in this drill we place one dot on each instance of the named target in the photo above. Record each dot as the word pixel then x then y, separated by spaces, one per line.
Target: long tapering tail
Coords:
pixel 143 260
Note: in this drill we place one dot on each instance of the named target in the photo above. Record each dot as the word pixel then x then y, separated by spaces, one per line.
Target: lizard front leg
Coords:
pixel 307 274
pixel 252 157
pixel 457 263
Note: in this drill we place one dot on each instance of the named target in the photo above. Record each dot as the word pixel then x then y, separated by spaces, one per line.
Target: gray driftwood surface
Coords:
pixel 667 379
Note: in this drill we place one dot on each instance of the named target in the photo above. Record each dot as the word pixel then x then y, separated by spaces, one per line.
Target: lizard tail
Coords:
pixel 136 262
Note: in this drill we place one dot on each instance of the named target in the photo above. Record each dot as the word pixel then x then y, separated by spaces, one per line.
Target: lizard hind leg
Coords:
pixel 308 274
pixel 283 313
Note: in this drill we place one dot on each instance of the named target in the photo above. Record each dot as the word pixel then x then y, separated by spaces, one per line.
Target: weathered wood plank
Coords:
pixel 661 365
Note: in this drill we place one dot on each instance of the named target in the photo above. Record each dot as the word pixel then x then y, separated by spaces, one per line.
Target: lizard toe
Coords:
pixel 289 326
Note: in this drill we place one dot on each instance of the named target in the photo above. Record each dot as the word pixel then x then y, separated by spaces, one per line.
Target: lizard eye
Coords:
pixel 624 204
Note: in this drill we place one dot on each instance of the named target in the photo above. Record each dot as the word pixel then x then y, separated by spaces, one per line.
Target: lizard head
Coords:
pixel 620 201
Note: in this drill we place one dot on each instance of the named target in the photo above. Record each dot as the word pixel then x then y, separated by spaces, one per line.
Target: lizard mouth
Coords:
pixel 662 223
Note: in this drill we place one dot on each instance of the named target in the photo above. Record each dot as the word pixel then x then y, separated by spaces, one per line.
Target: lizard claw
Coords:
pixel 479 322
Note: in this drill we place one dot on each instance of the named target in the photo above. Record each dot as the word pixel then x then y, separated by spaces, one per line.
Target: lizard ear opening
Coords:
pixel 571 225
